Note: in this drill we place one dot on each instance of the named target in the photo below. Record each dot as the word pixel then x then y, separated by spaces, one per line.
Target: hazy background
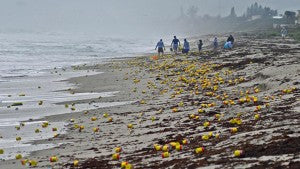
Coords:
pixel 114 17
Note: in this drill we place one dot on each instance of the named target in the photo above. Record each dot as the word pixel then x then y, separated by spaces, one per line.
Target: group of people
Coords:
pixel 186 45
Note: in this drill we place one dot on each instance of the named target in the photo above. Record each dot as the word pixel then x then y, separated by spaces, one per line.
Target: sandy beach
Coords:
pixel 236 108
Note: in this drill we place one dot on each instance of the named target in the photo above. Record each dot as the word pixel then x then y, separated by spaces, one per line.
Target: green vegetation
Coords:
pixel 295 33
pixel 17 104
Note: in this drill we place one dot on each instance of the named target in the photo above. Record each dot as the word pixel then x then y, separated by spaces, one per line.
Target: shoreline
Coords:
pixel 95 151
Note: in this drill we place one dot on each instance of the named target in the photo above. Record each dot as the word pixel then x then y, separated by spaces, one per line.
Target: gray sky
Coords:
pixel 112 16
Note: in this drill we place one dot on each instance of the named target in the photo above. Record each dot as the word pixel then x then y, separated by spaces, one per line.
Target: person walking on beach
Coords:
pixel 215 43
pixel 175 44
pixel 200 44
pixel 186 47
pixel 161 47
pixel 283 32
pixel 230 39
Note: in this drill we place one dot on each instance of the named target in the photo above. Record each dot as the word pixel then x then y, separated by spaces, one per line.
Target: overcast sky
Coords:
pixel 112 15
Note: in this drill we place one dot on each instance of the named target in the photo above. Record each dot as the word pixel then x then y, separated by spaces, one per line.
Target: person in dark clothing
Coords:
pixel 161 47
pixel 200 44
pixel 231 39
pixel 175 44
pixel 186 47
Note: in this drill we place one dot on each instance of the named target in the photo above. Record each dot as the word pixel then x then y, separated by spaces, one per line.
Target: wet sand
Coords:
pixel 254 88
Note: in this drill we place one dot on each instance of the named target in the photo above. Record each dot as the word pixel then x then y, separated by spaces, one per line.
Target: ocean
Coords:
pixel 34 67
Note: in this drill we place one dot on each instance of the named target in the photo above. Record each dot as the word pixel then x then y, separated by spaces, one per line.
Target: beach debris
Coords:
pixel 53 159
pixel 18 138
pixel 22 94
pixel 72 120
pixel 24 161
pixel 37 130
pixel 174 110
pixel 66 106
pixel 45 124
pixel 81 127
pixel 18 127
pixel 116 156
pixel 54 129
pixel 93 118
pixel 1 151
pixel 17 104
pixel 40 102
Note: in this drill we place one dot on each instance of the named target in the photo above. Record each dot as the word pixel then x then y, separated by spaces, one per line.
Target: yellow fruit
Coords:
pixel 128 166
pixel 75 163
pixel 233 130
pixel 118 149
pixel 93 118
pixel 123 164
pixel 178 147
pixel 175 110
pixel 200 111
pixel 18 156
pixel 18 138
pixel 165 155
pixel 33 163
pixel 95 129
pixel 116 156
pixel 53 159
pixel 238 153
pixel 130 126
pixel 206 124
pixel 184 141
pixel 157 147
pixel 165 148
pixel 256 116
pixel 192 116
pixel 199 150
pixel 205 137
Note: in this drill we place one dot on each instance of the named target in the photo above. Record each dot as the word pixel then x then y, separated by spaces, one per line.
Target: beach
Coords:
pixel 245 99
